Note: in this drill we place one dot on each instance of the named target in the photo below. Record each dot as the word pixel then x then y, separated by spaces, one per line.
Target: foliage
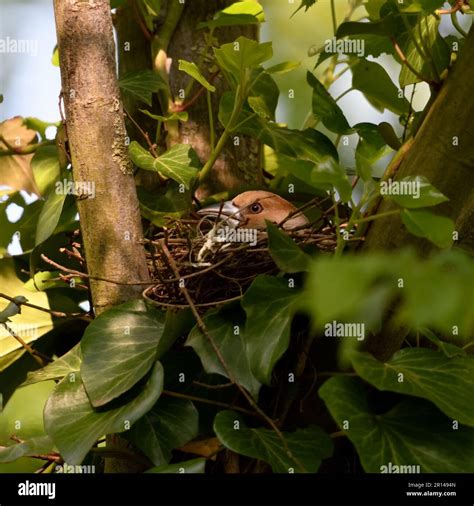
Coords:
pixel 154 375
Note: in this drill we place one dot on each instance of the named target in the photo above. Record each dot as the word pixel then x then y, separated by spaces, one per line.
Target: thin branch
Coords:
pixel 402 56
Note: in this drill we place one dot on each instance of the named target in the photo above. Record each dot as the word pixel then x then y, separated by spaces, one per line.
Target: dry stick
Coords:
pixel 145 135
pixel 202 327
pixel 57 314
pixel 80 274
pixel 28 348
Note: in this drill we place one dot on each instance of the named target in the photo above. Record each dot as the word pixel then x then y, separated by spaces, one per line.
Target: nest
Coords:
pixel 188 254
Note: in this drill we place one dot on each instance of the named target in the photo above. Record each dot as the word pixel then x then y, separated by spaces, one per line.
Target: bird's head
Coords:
pixel 250 210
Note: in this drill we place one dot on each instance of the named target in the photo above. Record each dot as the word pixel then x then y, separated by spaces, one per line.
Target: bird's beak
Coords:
pixel 226 211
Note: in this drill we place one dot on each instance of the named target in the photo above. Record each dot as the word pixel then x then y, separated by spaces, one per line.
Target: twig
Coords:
pixel 208 401
pixel 145 135
pixel 408 64
pixel 57 314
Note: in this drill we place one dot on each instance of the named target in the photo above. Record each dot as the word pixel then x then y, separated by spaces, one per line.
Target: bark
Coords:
pixel 110 222
pixel 238 165
pixel 448 165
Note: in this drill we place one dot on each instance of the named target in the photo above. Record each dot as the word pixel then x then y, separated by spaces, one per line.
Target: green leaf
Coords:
pixel 33 446
pixel 415 192
pixel 246 12
pixel 178 164
pixel 171 423
pixel 449 349
pixel 192 70
pixel 119 347
pixel 160 207
pixel 142 84
pixel 55 57
pixel 326 109
pixel 266 339
pixel 193 466
pixel 373 81
pixel 45 167
pixel 284 251
pixel 75 426
pixel 390 137
pixel 437 229
pixel 412 433
pixel 49 216
pixel 263 94
pixel 222 325
pixel 45 280
pixel 69 363
pixel 140 156
pixel 237 57
pixel 307 144
pixel 309 446
pixel 370 148
pixel 327 173
pixel 427 37
pixel 447 382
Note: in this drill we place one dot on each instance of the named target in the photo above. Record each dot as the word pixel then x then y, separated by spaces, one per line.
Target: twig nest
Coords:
pixel 216 263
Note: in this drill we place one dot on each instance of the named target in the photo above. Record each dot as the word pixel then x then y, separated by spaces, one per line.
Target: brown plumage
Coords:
pixel 250 209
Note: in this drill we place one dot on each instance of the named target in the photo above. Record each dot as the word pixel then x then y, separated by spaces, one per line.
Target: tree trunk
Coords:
pixel 443 152
pixel 110 220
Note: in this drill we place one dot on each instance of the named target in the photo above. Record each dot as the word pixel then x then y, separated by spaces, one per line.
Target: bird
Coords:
pixel 250 209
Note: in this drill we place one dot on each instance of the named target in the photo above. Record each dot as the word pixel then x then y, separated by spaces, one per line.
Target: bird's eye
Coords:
pixel 256 208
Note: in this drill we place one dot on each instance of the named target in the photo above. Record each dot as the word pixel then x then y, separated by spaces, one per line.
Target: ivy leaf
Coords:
pixel 33 446
pixel 75 426
pixel 178 163
pixel 425 194
pixel 246 12
pixel 437 229
pixel 221 325
pixel 373 81
pixel 309 446
pixel 370 148
pixel 193 466
pixel 119 347
pixel 192 70
pixel 69 363
pixel 263 95
pixel 49 216
pixel 237 57
pixel 140 156
pixel 326 109
pixel 413 433
pixel 327 174
pixel 266 339
pixel 142 84
pixel 284 251
pixel 171 423
pixel 447 382
pixel 165 204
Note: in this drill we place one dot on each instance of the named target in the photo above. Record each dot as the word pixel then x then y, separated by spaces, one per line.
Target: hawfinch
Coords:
pixel 250 210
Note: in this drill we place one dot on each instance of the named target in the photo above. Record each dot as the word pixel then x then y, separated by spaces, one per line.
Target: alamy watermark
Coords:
pixel 338 329
pixel 229 234
pixel 396 469
pixel 82 189
pixel 391 187
pixel 19 46
pixel 345 46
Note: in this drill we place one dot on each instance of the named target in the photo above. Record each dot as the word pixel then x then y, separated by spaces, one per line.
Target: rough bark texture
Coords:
pixel 450 168
pixel 110 222
pixel 238 165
